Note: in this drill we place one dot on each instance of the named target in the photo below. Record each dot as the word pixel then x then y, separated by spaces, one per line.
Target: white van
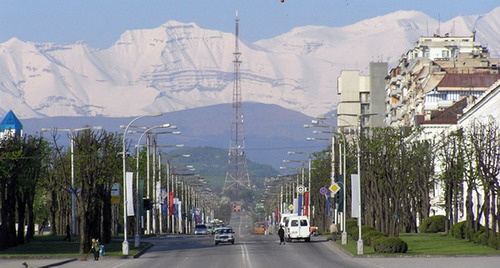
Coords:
pixel 297 227
pixel 285 217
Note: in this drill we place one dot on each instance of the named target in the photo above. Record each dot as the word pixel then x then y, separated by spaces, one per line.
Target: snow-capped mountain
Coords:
pixel 177 66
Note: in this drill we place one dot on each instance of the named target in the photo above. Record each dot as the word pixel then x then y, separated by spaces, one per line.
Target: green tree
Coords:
pixel 21 161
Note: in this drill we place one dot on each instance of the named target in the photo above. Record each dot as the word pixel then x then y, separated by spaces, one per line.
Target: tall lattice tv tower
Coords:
pixel 237 171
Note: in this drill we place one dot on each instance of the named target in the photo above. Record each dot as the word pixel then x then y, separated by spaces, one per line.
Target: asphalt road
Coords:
pixel 254 251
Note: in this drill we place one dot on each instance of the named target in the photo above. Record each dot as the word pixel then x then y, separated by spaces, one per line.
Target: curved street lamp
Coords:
pixel 125 248
pixel 137 240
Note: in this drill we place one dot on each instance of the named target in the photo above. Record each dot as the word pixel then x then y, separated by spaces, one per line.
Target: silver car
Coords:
pixel 224 235
pixel 201 229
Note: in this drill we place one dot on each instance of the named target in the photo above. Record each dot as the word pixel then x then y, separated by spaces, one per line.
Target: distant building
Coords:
pixel 434 75
pixel 10 126
pixel 362 95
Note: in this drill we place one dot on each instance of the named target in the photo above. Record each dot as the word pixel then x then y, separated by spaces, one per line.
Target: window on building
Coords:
pixel 364 96
pixel 365 108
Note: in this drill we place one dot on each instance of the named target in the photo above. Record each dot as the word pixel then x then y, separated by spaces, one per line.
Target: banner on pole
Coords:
pixel 130 194
pixel 115 193
pixel 355 195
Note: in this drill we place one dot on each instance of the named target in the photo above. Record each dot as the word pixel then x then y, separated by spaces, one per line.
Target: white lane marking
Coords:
pixel 245 256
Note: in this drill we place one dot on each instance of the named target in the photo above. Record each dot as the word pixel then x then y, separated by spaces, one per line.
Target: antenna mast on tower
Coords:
pixel 237 171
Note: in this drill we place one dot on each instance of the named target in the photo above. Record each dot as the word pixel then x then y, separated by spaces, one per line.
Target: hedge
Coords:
pixel 383 244
pixel 433 224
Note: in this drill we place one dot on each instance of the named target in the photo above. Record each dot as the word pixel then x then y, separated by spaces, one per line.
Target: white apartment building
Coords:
pixel 362 95
pixel 436 73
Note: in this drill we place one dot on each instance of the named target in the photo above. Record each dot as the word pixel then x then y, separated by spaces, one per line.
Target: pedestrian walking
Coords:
pixel 281 234
pixel 95 248
pixel 333 230
pixel 68 233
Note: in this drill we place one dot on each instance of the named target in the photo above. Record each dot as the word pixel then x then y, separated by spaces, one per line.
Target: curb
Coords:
pixel 139 254
pixel 59 263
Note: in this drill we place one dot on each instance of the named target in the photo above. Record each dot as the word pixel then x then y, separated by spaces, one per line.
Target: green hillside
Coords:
pixel 211 164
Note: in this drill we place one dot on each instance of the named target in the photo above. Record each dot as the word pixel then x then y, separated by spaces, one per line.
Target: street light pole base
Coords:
pixel 344 238
pixel 125 247
pixel 137 240
pixel 360 247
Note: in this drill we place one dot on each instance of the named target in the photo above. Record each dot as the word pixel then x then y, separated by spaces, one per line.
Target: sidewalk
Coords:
pixel 104 261
pixel 20 263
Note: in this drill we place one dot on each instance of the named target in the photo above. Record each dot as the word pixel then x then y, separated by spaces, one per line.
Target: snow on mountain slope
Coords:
pixel 178 66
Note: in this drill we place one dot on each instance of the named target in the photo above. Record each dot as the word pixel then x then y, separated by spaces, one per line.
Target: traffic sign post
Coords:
pixel 334 188
pixel 301 189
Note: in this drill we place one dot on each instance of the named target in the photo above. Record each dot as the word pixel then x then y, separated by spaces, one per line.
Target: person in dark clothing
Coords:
pixel 95 248
pixel 281 234
pixel 68 233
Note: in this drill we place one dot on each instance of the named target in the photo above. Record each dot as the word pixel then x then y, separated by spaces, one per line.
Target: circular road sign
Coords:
pixel 301 189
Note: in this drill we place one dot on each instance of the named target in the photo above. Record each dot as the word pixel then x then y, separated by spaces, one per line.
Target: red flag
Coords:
pixel 171 203
pixel 306 204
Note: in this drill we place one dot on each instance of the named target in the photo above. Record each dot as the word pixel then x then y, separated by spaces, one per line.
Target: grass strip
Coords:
pixel 428 244
pixel 53 246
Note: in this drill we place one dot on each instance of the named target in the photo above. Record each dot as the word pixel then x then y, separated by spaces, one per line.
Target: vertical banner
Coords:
pixel 327 209
pixel 171 203
pixel 176 207
pixel 158 194
pixel 355 195
pixel 130 194
pixel 299 205
pixel 306 204
pixel 179 212
pixel 140 196
pixel 295 204
pixel 164 209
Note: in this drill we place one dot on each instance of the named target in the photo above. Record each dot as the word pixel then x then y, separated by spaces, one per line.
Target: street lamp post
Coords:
pixel 137 235
pixel 125 248
pixel 342 170
pixel 71 133
pixel 308 181
pixel 359 117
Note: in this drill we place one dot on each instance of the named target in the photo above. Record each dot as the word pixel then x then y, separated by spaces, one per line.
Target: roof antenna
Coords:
pixel 439 25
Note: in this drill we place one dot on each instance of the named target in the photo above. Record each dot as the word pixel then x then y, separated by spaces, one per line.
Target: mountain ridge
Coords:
pixel 179 66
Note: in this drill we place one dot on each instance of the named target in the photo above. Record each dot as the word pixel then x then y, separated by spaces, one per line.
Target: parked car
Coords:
pixel 201 229
pixel 224 235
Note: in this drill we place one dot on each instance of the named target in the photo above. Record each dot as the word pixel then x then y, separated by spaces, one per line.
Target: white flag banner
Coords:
pixel 158 192
pixel 130 194
pixel 355 195
pixel 179 211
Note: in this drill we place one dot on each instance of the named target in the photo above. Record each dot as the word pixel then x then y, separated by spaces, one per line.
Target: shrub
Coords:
pixel 369 236
pixel 351 223
pixel 494 242
pixel 433 224
pixel 383 244
pixel 354 231
pixel 458 230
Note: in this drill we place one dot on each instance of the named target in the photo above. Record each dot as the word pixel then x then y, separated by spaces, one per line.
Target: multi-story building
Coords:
pixel 436 73
pixel 362 97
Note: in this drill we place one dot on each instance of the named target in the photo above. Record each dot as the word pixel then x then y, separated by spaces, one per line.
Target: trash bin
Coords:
pixel 102 250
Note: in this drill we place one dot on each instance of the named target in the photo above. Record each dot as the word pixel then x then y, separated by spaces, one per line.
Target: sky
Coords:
pixel 99 23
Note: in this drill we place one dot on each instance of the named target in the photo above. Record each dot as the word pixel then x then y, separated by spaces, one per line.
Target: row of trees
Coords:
pixel 35 182
pixel 470 164
pixel 399 178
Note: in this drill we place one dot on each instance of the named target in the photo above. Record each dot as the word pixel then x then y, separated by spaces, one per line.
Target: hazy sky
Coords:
pixel 100 22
